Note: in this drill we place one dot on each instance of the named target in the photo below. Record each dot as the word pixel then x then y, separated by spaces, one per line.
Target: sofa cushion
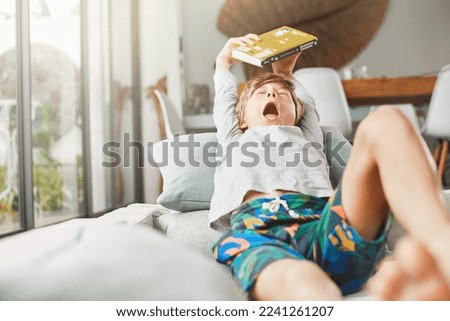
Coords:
pixel 189 229
pixel 93 260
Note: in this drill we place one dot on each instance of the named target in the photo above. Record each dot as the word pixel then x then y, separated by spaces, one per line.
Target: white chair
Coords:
pixel 408 110
pixel 437 121
pixel 325 85
pixel 172 122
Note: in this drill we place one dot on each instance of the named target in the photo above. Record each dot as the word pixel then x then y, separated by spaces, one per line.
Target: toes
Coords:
pixel 388 282
pixel 413 275
pixel 415 259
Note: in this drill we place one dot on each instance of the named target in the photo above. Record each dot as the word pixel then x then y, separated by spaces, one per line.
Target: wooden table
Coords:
pixel 378 91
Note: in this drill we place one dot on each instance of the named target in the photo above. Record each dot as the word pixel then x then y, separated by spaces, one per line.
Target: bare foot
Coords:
pixel 411 275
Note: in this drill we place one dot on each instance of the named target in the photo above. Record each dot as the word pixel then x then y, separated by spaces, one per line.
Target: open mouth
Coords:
pixel 270 111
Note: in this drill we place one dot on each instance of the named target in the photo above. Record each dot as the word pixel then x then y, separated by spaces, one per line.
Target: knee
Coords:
pixel 301 279
pixel 310 276
pixel 386 124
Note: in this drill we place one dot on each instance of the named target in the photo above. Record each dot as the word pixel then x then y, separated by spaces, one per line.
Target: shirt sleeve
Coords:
pixel 225 100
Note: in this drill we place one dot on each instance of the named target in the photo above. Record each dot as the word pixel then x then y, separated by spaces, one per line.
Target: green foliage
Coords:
pixel 43 131
pixel 48 178
pixel 48 183
pixel 9 204
pixel 2 177
pixel 80 182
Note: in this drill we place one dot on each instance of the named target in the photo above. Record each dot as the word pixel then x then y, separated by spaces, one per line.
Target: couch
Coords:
pixel 139 252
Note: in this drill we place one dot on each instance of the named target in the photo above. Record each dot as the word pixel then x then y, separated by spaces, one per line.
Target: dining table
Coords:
pixel 414 90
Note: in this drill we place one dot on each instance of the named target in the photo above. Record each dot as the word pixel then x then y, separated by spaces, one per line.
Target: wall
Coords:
pixel 412 40
pixel 202 41
pixel 160 56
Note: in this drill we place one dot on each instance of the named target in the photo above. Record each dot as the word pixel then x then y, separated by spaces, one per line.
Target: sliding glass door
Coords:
pixel 9 189
pixel 68 86
pixel 56 122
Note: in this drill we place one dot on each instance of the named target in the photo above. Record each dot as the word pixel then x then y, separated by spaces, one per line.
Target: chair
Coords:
pixel 437 121
pixel 408 110
pixel 170 123
pixel 173 124
pixel 326 88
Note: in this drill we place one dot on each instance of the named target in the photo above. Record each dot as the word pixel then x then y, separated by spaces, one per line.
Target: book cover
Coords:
pixel 274 45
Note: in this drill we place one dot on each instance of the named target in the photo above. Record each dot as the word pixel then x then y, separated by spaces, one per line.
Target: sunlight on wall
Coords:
pixel 160 56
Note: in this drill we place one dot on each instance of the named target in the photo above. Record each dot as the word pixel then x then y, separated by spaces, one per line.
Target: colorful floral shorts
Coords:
pixel 301 227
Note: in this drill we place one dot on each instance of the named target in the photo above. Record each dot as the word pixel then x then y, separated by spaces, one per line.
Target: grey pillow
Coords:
pixel 189 174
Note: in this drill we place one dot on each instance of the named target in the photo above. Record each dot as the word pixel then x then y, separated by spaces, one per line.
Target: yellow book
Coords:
pixel 274 45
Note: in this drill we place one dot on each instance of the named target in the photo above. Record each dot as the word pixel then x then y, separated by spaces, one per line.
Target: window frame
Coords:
pixel 24 113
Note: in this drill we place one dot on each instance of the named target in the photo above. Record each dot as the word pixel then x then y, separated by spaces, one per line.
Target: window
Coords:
pixel 77 89
pixel 9 189
pixel 56 120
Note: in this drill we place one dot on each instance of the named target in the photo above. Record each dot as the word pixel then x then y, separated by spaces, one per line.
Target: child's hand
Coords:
pixel 286 65
pixel 224 60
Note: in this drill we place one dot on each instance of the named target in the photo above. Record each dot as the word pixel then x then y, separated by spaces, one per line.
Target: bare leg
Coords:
pixel 390 168
pixel 290 279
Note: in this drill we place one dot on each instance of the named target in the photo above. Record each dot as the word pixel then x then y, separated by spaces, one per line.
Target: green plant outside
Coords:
pixel 48 183
pixel 48 179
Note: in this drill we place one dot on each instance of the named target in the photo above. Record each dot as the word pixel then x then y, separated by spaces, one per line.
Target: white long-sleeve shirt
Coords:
pixel 263 158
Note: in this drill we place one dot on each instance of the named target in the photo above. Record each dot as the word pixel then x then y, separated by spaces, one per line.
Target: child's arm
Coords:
pixel 226 93
pixel 309 122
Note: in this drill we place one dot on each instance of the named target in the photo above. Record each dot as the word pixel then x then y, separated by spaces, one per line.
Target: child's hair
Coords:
pixel 260 80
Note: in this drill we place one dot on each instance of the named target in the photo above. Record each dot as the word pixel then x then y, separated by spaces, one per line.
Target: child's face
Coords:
pixel 270 104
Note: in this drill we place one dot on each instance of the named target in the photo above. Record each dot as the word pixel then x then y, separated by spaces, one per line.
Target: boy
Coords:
pixel 287 234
